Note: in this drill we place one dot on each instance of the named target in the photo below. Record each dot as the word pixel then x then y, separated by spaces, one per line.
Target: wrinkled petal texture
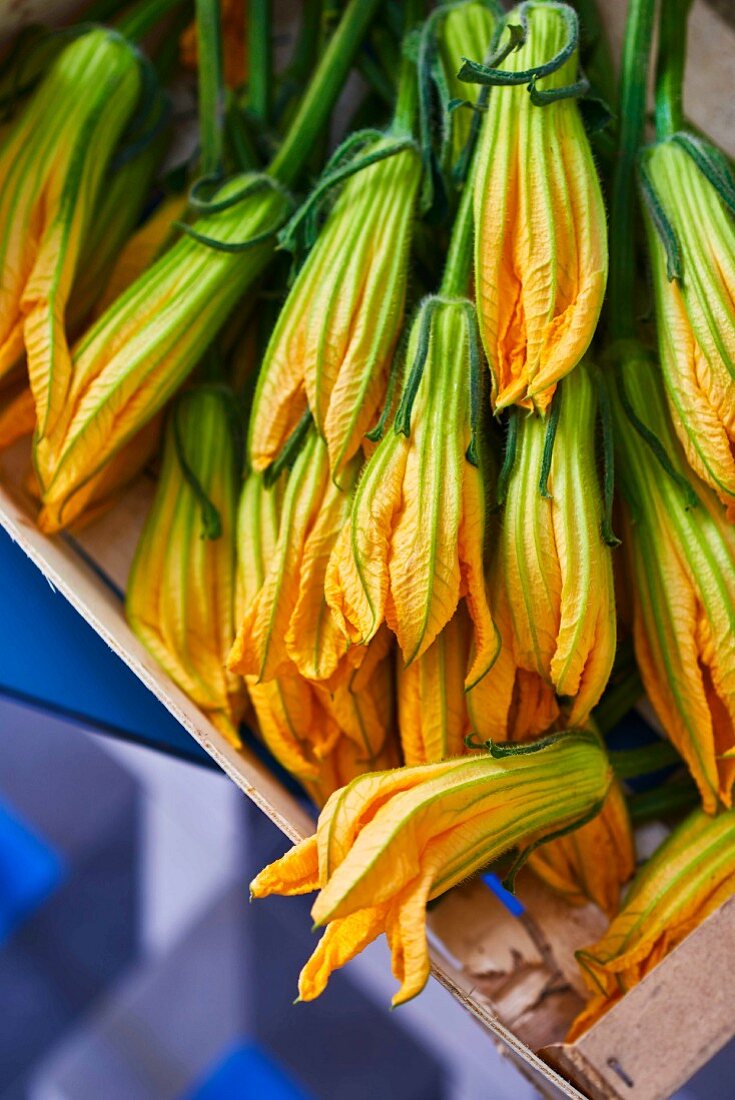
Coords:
pixel 389 842
pixel 333 344
pixel 681 569
pixel 181 587
pixel 541 240
pixel 697 317
pixel 414 542
pixel 137 354
pixel 552 581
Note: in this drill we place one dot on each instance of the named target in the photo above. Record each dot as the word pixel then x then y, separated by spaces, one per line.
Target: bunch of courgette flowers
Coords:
pixel 391 418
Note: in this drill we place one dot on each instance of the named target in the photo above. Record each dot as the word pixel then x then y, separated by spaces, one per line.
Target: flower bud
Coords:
pixel 333 344
pixel 287 625
pixel 541 236
pixel 181 587
pixel 140 350
pixel 551 580
pixel 52 169
pixel 432 705
pixel 413 544
pixel 680 564
pixel 294 722
pixel 691 234
pixel 390 842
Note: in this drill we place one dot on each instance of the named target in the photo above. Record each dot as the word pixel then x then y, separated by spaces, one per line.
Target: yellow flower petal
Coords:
pixel 334 340
pixel 181 589
pixel 681 564
pixel 541 240
pixel 295 873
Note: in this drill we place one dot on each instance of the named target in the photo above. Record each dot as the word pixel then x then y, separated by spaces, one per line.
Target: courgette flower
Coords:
pixel 541 236
pixel 304 721
pixel 133 358
pixel 690 876
pixel 287 624
pixel 52 169
pixel 466 30
pixel 551 580
pixel 333 344
pixel 292 713
pixel 181 589
pixel 680 556
pixel 108 265
pixel 413 544
pixel 432 705
pixel 392 841
pixel 690 210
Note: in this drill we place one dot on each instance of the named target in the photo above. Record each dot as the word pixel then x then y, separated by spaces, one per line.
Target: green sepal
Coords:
pixel 290 451
pixel 548 453
pixel 211 520
pixel 712 164
pixel 656 446
pixel 473 72
pixel 662 225
pixel 608 463
pixel 509 458
pixel 402 423
pixel 524 853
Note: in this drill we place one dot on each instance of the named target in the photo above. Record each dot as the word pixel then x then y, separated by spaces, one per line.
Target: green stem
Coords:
pixel 630 763
pixel 631 118
pixel 143 16
pixel 260 76
pixel 672 798
pixel 404 117
pixel 211 87
pixel 458 266
pixel 672 46
pixel 598 66
pixel 617 701
pixel 322 92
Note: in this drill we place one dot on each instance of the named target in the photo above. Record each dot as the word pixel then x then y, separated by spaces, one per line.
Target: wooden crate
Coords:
pixel 518 977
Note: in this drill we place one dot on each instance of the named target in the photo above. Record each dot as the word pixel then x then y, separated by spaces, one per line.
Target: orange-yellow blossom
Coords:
pixel 414 541
pixel 693 261
pixel 141 349
pixel 333 344
pixel 389 842
pixel 432 705
pixel 551 580
pixel 181 589
pixel 541 235
pixel 686 879
pixel 52 169
pixel 287 622
pixel 292 716
pixel 680 558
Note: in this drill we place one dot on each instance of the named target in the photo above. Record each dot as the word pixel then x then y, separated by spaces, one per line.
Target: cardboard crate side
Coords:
pixel 667 1026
